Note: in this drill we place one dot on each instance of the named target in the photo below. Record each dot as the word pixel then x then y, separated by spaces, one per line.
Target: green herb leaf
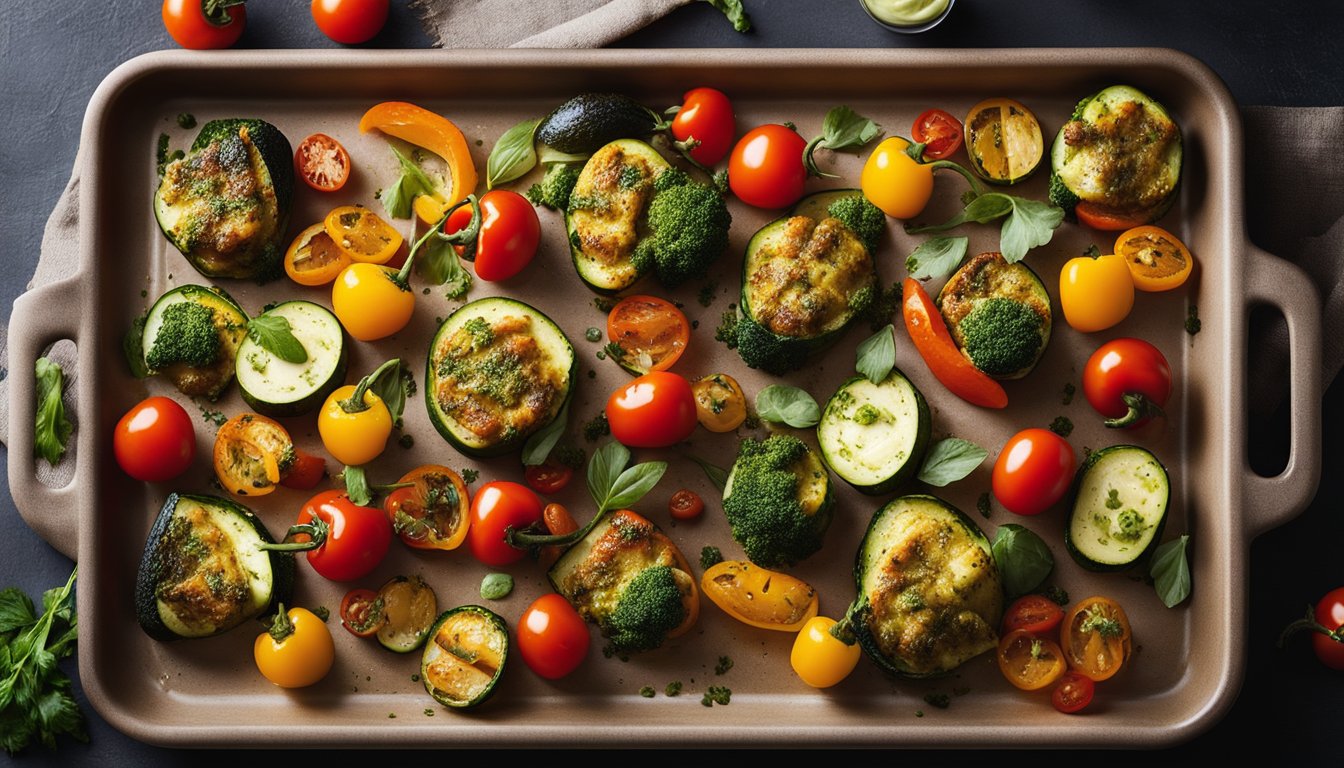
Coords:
pixel 949 460
pixel 1171 571
pixel 133 348
pixel 52 430
pixel 513 155
pixel 1024 560
pixel 357 486
pixel 735 12
pixel 784 404
pixel 412 183
pixel 438 264
pixel 1030 225
pixel 936 257
pixel 273 334
pixel 16 610
pixel 496 586
pixel 36 703
pixel 877 355
pixel 539 446
pixel 842 129
pixel 988 207
pixel 607 464
pixel 633 484
pixel 391 385
pixel 716 474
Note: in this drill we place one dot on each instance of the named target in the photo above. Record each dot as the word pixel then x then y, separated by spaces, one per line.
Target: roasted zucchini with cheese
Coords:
pixel 202 572
pixel 464 656
pixel 191 337
pixel 999 315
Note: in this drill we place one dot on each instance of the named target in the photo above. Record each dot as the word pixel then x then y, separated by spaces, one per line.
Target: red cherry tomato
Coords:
pixel 652 411
pixel 1033 471
pixel 1109 220
pixel 155 441
pixel 552 637
pixel 706 116
pixel 1128 381
pixel 1073 692
pixel 362 613
pixel 498 506
pixel 356 538
pixel 548 477
pixel 685 505
pixel 350 21
pixel 189 27
pixel 306 472
pixel 322 162
pixel 939 132
pixel 766 167
pixel 510 234
pixel 1036 614
pixel 1329 614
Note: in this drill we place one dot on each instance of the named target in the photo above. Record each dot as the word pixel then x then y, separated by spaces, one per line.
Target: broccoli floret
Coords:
pixel 764 510
pixel 649 608
pixel 764 350
pixel 1002 336
pixel 188 335
pixel 861 301
pixel 554 188
pixel 1062 196
pixel 688 229
pixel 862 218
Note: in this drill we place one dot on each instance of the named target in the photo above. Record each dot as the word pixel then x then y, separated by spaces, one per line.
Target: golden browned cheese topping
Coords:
pixel 935 598
pixel 203 582
pixel 1124 152
pixel 608 201
pixel 803 278
pixel 495 379
pixel 624 549
pixel 467 653
pixel 985 276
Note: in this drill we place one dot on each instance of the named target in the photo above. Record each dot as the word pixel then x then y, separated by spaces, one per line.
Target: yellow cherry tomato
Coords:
pixel 362 234
pixel 819 658
pixel 1156 259
pixel 356 437
pixel 1095 293
pixel 894 181
pixel 720 404
pixel 1030 662
pixel 301 656
pixel 313 258
pixel 760 597
pixel 370 303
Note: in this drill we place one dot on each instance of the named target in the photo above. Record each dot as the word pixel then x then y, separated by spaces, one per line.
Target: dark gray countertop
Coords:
pixel 55 53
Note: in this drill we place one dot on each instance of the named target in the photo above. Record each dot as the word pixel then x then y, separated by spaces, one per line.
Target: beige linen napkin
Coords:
pixel 546 24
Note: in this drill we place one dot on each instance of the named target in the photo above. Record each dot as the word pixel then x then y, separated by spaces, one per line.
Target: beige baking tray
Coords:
pixel 1189 663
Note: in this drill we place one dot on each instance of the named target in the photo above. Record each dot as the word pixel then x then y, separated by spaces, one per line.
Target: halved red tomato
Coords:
pixel 322 163
pixel 651 332
pixel 939 132
pixel 362 612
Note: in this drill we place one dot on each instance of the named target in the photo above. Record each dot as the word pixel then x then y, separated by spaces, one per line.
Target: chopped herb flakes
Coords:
pixel 647 692
pixel 470 475
pixel 1061 426
pixel 725 664
pixel 939 700
pixel 1192 322
pixel 982 505
pixel 717 694
pixel 673 688
pixel 709 557
pixel 1069 391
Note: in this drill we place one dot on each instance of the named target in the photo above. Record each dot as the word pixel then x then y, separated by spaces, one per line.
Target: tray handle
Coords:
pixel 1273 501
pixel 40 318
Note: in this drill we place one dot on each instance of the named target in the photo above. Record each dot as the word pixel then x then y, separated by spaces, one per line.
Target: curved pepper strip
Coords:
pixel 435 133
pixel 929 333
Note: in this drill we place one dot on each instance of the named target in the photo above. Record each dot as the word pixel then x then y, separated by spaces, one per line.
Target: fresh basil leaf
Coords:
pixel 133 347
pixel 410 184
pixel 1171 571
pixel 550 156
pixel 1030 225
pixel 877 355
pixel 513 155
pixel 607 464
pixel 949 460
pixel 632 484
pixel 539 446
pixel 52 429
pixel 438 263
pixel 496 586
pixel 716 474
pixel 273 334
pixel 735 12
pixel 16 610
pixel 936 257
pixel 1023 558
pixel 784 404
pixel 390 385
pixel 843 128
pixel 357 486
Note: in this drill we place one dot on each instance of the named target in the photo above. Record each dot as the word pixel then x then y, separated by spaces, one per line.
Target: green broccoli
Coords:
pixel 554 188
pixel 688 229
pixel 188 335
pixel 1062 196
pixel 766 351
pixel 778 500
pixel 862 218
pixel 1002 336
pixel 649 608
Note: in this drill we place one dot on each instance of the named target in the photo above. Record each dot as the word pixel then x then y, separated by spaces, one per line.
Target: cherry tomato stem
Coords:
pixel 1128 381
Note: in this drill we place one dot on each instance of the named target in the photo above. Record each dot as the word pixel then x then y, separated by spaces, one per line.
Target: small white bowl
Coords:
pixel 910 29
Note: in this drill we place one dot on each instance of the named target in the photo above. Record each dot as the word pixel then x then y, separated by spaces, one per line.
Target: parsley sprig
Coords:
pixel 36 698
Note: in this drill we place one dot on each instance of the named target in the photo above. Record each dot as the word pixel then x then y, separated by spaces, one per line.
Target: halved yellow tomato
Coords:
pixel 252 453
pixel 1004 140
pixel 435 133
pixel 720 404
pixel 362 234
pixel 1096 638
pixel 1030 662
pixel 760 597
pixel 313 258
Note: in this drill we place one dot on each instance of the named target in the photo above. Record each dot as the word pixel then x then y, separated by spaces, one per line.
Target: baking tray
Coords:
pixel 1189 663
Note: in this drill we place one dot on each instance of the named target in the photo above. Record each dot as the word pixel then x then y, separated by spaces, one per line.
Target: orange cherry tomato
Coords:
pixel 1029 661
pixel 929 333
pixel 766 169
pixel 720 403
pixel 1098 216
pixel 1033 471
pixel 322 163
pixel 1073 693
pixel 187 24
pixel 432 513
pixel 894 181
pixel 362 234
pixel 313 258
pixel 652 331
pixel 306 472
pixel 1157 260
pixel 1096 638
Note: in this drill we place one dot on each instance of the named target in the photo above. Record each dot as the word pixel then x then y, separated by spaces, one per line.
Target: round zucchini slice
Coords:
pixel 605 218
pixel 182 352
pixel 465 656
pixel 1119 508
pixel 929 593
pixel 999 315
pixel 498 371
pixel 410 610
pixel 276 387
pixel 1003 139
pixel 874 435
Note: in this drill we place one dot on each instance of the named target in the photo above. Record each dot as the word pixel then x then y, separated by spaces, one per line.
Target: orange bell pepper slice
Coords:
pixel 435 133
pixel 945 361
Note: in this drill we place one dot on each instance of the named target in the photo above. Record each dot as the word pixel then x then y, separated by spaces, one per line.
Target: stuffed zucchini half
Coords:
pixel 1116 163
pixel 498 371
pixel 191 337
pixel 874 435
pixel 202 572
pixel 929 593
pixel 778 500
pixel 225 205
pixel 805 278
pixel 999 315
pixel 276 387
pixel 1120 499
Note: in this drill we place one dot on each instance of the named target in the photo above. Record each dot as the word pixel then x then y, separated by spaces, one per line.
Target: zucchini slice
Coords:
pixel 605 218
pixel 999 315
pixel 275 387
pixel 498 371
pixel 1003 139
pixel 225 205
pixel 409 610
pixel 1119 508
pixel 176 344
pixel 874 435
pixel 201 573
pixel 929 593
pixel 467 649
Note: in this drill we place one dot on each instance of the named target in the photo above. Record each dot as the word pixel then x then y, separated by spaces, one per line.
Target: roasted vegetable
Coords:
pixel 778 500
pixel 999 314
pixel 465 656
pixel 191 337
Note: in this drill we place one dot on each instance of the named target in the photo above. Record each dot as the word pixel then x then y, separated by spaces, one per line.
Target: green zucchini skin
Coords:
pixel 898 410
pixel 276 388
pixel 231 323
pixel 1140 504
pixel 498 632
pixel 586 122
pixel 904 541
pixel 172 557
pixel 561 352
